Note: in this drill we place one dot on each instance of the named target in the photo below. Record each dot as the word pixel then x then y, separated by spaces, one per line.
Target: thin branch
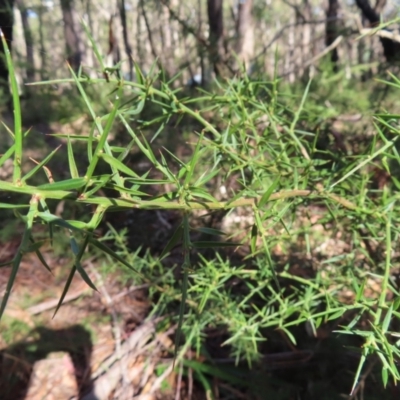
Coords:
pixel 318 56
pixel 203 41
pixel 395 36
pixel 293 24
pixel 50 304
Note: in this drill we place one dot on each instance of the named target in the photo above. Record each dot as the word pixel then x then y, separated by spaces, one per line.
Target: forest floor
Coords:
pixel 101 336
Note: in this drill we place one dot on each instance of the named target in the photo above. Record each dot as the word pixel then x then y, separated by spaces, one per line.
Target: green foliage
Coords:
pixel 250 133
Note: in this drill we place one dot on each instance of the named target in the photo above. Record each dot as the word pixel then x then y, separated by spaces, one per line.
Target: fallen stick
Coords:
pixel 50 304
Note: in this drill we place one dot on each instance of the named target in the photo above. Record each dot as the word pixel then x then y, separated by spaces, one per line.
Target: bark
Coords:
pixel 391 49
pixel 72 37
pixel 244 32
pixel 30 69
pixel 379 6
pixel 216 36
pixel 6 25
pixel 332 29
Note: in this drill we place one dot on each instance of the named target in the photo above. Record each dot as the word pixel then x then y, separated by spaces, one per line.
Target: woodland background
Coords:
pixel 196 38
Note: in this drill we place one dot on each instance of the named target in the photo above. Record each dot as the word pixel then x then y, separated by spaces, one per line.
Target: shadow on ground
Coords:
pixel 18 360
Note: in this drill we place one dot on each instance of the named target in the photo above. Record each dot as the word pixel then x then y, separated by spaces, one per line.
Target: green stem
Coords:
pixel 185 268
pixel 386 276
pixel 175 205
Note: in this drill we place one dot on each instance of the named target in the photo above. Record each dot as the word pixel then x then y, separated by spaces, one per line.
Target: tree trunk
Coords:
pixel 128 49
pixel 42 46
pixel 6 25
pixel 332 29
pixel 216 24
pixel 113 47
pixel 30 69
pixel 391 49
pixel 244 32
pixel 72 37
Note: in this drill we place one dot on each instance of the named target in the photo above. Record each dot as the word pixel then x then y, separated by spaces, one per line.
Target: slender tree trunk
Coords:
pixel 307 44
pixel 200 49
pixel 139 42
pixel 42 52
pixel 332 29
pixel 6 25
pixel 379 6
pixel 291 50
pixel 30 69
pixel 217 48
pixel 244 32
pixel 150 34
pixel 113 47
pixel 128 48
pixel 90 60
pixel 72 37
pixel 166 27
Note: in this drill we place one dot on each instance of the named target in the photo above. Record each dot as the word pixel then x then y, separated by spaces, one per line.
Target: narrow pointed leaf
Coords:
pixel 40 165
pixel 387 320
pixel 71 161
pixel 101 246
pixel 42 260
pixel 7 155
pixel 66 288
pixel 205 245
pixel 18 136
pixel 68 184
pixel 20 252
pixel 74 225
pixel 175 238
pixel 267 194
pixel 12 206
pixel 196 192
pixel 114 162
pixel 211 231
pixel 79 267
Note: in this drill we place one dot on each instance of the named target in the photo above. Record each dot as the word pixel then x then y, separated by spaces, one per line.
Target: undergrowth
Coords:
pixel 252 148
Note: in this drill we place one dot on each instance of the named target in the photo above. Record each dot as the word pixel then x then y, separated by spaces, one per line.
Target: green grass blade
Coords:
pixel 68 184
pixel 20 252
pixel 207 244
pixel 7 155
pixel 175 238
pixel 78 255
pixel 103 138
pixel 94 45
pixel 114 162
pixel 185 269
pixel 18 136
pixel 66 288
pixel 71 161
pixel 12 206
pixel 265 197
pixel 101 246
pixel 40 165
